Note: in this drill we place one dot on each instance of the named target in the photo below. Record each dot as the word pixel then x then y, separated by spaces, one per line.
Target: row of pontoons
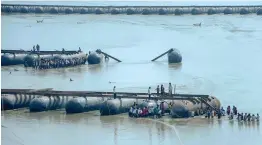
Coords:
pixel 78 102
pixel 55 59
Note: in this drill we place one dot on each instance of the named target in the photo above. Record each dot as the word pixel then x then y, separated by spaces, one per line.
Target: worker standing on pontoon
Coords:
pixel 149 93
pixel 114 90
pixel 37 48
pixel 170 89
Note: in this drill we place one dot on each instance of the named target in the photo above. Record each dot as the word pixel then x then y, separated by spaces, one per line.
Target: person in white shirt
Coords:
pixel 131 111
pixel 170 89
pixel 134 112
pixel 149 93
pixel 253 117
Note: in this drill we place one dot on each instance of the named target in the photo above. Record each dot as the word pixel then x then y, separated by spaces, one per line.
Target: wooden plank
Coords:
pixel 83 6
pixel 87 93
pixel 40 52
pixel 40 90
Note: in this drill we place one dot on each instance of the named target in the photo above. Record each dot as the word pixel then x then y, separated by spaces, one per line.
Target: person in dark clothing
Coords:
pixel 37 48
pixel 157 90
pixel 228 110
pixel 248 117
pixel 114 90
pixel 34 48
pixel 63 50
pixel 219 114
pixel 242 116
pixel 162 90
pixel 79 50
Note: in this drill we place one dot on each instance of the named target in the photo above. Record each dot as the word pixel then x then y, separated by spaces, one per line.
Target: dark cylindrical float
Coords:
pixel 117 106
pixel 196 11
pixel 12 59
pixel 99 11
pixel 185 108
pixel 174 56
pixel 83 104
pixel 244 11
pixel 54 10
pixel 115 12
pixel 6 9
pixel 259 12
pixel 162 11
pixel 45 103
pixel 39 10
pixel 24 10
pixel 178 12
pixel 94 58
pixel 228 11
pixel 211 11
pixel 130 11
pixel 69 10
pixel 84 11
pixel 15 101
pixel 146 12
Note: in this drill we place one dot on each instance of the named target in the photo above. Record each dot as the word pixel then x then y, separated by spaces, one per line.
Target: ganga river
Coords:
pixel 221 58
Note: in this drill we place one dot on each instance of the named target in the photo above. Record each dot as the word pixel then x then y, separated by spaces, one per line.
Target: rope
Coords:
pixel 18 140
pixel 171 126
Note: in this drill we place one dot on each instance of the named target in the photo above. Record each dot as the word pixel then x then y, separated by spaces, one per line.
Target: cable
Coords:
pixel 171 126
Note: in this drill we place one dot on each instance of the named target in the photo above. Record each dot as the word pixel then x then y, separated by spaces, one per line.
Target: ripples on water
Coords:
pixel 220 58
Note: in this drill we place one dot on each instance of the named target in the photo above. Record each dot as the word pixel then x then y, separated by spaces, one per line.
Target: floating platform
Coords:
pixel 16 57
pixel 83 101
pixel 83 104
pixel 14 101
pixel 95 58
pixel 45 103
pixel 12 59
pixel 37 52
pixel 130 10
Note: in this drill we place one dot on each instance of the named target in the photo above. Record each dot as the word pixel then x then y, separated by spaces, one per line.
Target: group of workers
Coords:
pixel 136 111
pixel 231 114
pixel 160 91
pixel 36 48
pixel 47 63
pixel 241 116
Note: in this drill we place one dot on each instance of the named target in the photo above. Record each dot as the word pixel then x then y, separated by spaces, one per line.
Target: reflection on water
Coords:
pixel 120 127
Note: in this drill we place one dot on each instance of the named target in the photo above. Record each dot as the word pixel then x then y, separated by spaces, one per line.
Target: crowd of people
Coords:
pixel 56 62
pixel 232 114
pixel 160 91
pixel 47 63
pixel 155 111
pixel 136 111
pixel 241 116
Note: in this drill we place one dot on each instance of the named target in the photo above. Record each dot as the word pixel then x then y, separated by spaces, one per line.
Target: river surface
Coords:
pixel 221 58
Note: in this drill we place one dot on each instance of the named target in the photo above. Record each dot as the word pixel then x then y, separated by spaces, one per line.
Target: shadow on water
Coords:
pixel 173 66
